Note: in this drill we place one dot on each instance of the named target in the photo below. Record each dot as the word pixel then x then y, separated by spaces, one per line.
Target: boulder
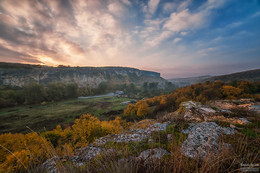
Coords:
pixel 203 139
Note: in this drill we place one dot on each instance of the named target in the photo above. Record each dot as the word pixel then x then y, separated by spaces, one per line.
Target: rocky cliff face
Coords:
pixel 84 76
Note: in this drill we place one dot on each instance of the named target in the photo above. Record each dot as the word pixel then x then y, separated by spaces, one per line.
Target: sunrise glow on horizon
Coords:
pixel 177 38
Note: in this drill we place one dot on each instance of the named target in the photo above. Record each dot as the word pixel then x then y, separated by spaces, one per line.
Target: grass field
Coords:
pixel 48 116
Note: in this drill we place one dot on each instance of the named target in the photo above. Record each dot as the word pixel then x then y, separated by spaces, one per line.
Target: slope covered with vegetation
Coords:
pixel 19 152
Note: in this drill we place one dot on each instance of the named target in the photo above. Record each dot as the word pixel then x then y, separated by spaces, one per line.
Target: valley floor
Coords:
pixel 48 115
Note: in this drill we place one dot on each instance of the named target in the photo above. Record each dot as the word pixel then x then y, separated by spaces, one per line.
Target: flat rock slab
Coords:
pixel 203 139
pixel 134 135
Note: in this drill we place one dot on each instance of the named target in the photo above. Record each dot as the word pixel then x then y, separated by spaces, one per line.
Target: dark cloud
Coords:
pixel 14 35
pixel 13 56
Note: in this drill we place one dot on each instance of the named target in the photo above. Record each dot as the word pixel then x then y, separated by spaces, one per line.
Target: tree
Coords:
pixel 34 93
pixel 71 90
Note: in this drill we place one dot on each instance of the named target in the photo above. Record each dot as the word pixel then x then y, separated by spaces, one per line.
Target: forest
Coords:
pixel 39 94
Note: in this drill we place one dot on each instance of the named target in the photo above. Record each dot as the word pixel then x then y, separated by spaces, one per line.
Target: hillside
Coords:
pixel 188 81
pixel 14 74
pixel 250 75
pixel 206 127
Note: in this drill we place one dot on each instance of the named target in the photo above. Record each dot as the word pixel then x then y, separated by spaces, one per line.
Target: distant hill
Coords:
pixel 180 82
pixel 15 74
pixel 251 75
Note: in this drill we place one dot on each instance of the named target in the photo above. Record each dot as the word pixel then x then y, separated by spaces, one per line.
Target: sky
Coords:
pixel 178 38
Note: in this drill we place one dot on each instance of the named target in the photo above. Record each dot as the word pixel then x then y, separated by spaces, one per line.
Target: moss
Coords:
pixel 160 137
pixel 250 133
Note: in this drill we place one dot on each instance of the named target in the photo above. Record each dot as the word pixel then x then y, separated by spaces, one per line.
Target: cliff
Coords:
pixel 22 74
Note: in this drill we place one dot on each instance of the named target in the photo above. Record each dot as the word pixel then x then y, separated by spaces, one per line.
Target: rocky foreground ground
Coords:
pixel 203 133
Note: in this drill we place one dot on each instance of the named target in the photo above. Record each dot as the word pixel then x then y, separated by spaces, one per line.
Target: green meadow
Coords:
pixel 47 116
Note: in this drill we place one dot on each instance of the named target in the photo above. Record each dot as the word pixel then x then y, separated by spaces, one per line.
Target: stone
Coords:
pixel 196 112
pixel 203 139
pixel 134 135
pixel 152 154
pixel 51 165
pixel 244 121
pixel 169 137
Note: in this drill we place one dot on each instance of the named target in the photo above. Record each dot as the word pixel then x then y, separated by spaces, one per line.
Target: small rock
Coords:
pixel 244 120
pixel 51 165
pixel 152 154
pixel 232 126
pixel 169 137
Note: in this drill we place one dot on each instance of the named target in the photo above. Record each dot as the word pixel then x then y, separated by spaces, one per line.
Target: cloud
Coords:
pixel 184 21
pixel 183 5
pixel 122 32
pixel 151 8
pixel 176 40
pixel 116 8
pixel 207 51
pixel 126 2
pixel 56 32
pixel 169 6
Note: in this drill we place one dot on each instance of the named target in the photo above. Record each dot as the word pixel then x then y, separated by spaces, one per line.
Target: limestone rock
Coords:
pixel 152 154
pixel 203 139
pixel 134 134
pixel 51 165
pixel 196 112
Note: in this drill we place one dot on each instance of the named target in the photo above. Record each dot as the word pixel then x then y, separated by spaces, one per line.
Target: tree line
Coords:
pixel 37 93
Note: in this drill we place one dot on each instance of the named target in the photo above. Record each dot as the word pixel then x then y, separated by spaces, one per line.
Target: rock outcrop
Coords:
pixel 196 112
pixel 203 139
pixel 137 133
pixel 202 142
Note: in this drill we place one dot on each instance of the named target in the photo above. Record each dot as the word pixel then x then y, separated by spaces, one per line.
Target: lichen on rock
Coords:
pixel 203 139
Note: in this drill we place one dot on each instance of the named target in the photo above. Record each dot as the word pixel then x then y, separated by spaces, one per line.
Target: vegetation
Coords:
pixel 18 152
pixel 250 75
pixel 201 92
pixel 131 90
pixel 48 115
pixel 36 94
pixel 26 152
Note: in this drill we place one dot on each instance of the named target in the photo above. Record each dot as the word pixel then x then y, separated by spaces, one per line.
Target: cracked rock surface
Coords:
pixel 153 154
pixel 88 153
pixel 203 139
pixel 134 135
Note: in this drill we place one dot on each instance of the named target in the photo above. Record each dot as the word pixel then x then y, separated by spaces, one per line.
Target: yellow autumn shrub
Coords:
pixel 18 151
pixel 113 126
pixel 142 108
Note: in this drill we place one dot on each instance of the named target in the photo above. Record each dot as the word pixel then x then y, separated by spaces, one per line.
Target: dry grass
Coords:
pixel 124 161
